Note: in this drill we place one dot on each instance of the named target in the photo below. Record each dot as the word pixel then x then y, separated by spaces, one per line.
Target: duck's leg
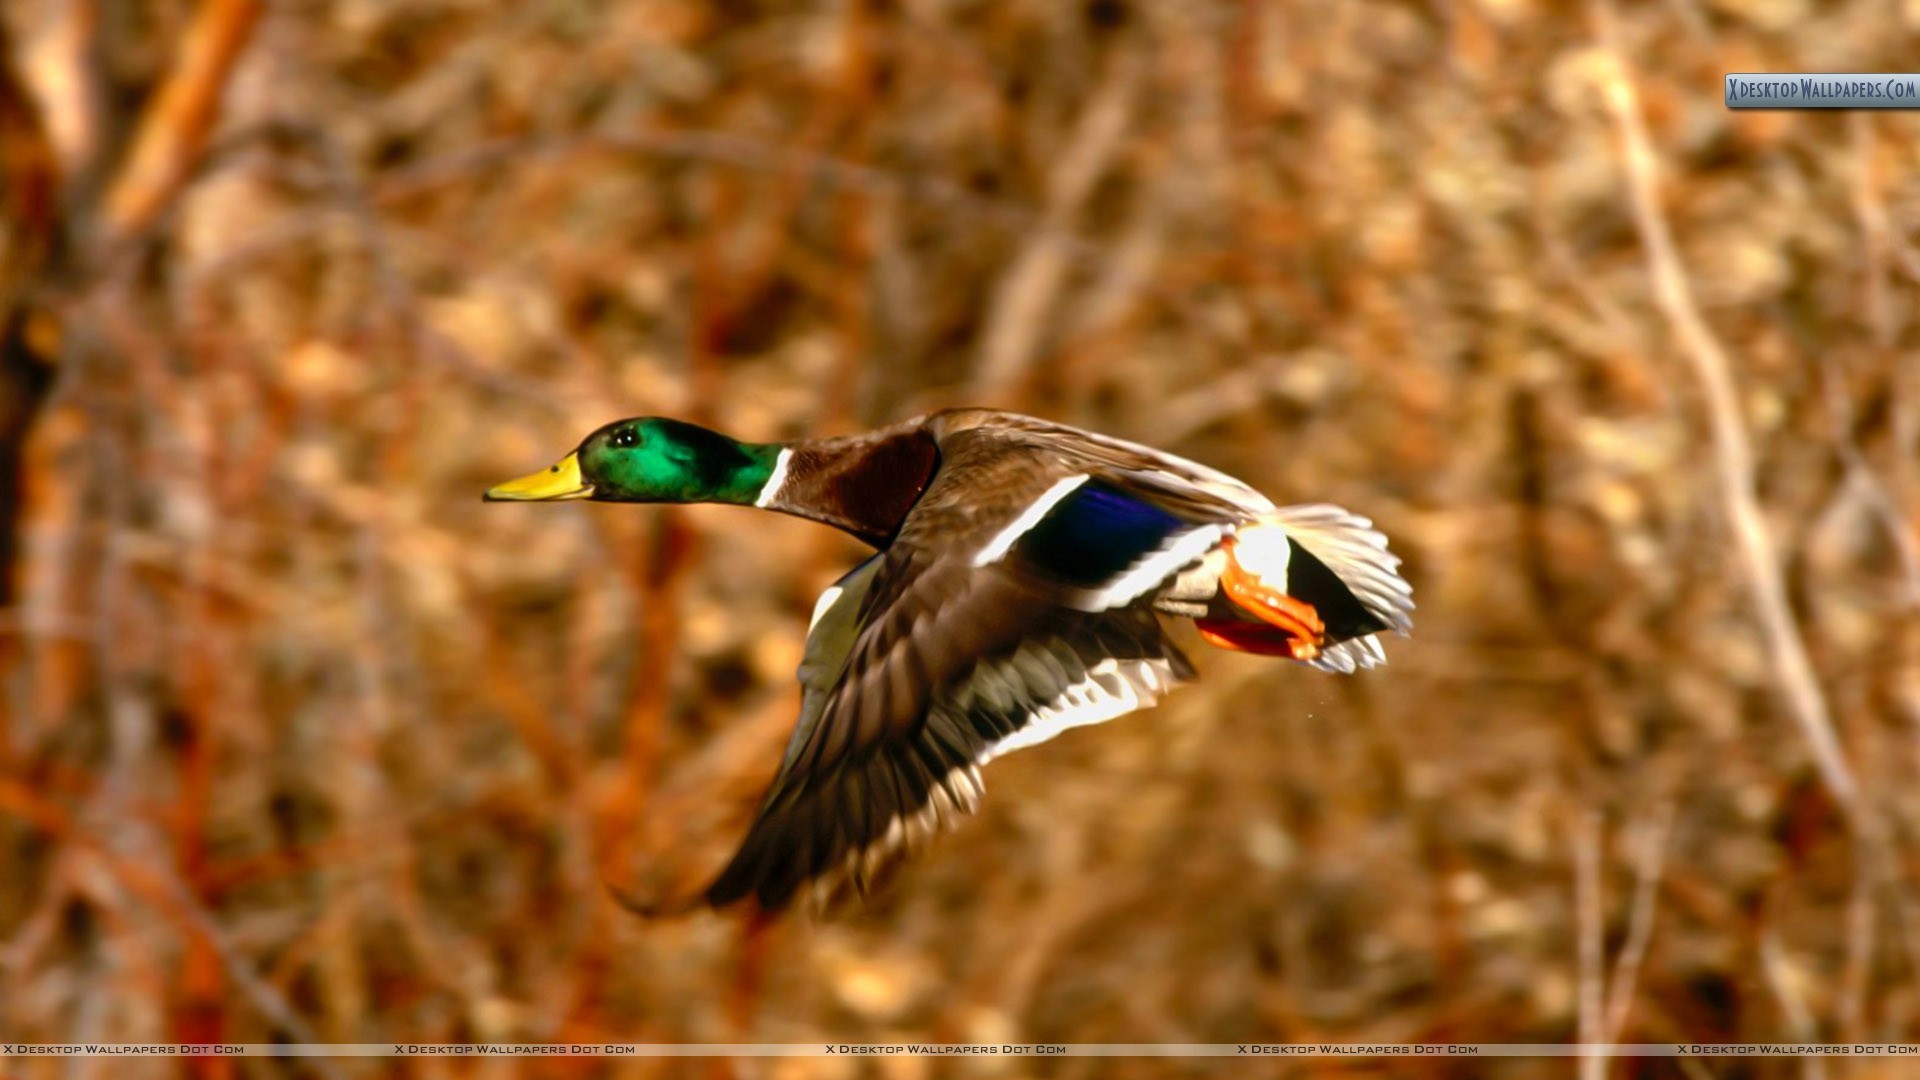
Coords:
pixel 1254 581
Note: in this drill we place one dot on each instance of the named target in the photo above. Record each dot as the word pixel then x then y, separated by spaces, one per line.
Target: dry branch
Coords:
pixel 723 148
pixel 1027 292
pixel 175 129
pixel 1783 981
pixel 1733 456
pixel 1590 919
pixel 1646 892
pixel 29 185
pixel 29 227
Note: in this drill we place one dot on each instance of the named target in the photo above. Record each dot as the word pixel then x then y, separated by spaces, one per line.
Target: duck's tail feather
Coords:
pixel 1338 563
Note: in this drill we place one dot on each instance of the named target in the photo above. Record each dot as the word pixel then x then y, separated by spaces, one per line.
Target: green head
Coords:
pixel 651 459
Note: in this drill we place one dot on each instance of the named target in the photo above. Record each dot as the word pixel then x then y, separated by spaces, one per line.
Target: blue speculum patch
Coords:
pixel 1096 532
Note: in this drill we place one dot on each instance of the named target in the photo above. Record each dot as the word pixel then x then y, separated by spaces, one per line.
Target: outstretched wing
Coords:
pixel 970 636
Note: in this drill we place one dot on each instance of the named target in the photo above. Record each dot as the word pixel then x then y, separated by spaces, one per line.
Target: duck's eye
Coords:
pixel 624 439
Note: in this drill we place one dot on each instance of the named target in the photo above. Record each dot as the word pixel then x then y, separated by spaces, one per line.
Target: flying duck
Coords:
pixel 1021 575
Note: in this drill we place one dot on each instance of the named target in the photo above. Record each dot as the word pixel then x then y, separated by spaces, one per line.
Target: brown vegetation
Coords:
pixel 300 741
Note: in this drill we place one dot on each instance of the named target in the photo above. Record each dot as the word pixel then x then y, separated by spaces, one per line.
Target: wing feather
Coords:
pixel 947 663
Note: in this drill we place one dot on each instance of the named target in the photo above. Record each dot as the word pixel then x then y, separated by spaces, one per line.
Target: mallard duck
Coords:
pixel 1022 572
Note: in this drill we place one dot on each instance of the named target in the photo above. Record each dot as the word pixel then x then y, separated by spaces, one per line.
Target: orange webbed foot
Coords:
pixel 1255 581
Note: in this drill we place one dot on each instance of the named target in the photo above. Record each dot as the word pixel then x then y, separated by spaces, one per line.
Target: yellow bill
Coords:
pixel 562 481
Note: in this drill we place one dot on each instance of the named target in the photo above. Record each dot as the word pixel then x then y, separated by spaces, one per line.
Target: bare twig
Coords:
pixel 1857 976
pixel 1028 289
pixel 29 226
pixel 1905 539
pixel 1733 451
pixel 710 147
pixel 62 60
pixel 1588 918
pixel 1693 1069
pixel 35 932
pixel 1246 387
pixel 1876 233
pixel 1781 980
pixel 1648 868
pixel 174 131
pixel 29 185
pixel 1867 206
pixel 1870 489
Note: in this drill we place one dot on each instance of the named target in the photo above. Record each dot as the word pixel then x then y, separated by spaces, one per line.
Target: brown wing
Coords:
pixel 949 664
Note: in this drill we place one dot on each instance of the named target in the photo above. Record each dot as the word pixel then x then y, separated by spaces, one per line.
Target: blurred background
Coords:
pixel 301 742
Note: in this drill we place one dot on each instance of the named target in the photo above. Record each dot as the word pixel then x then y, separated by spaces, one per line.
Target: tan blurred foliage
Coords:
pixel 301 741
